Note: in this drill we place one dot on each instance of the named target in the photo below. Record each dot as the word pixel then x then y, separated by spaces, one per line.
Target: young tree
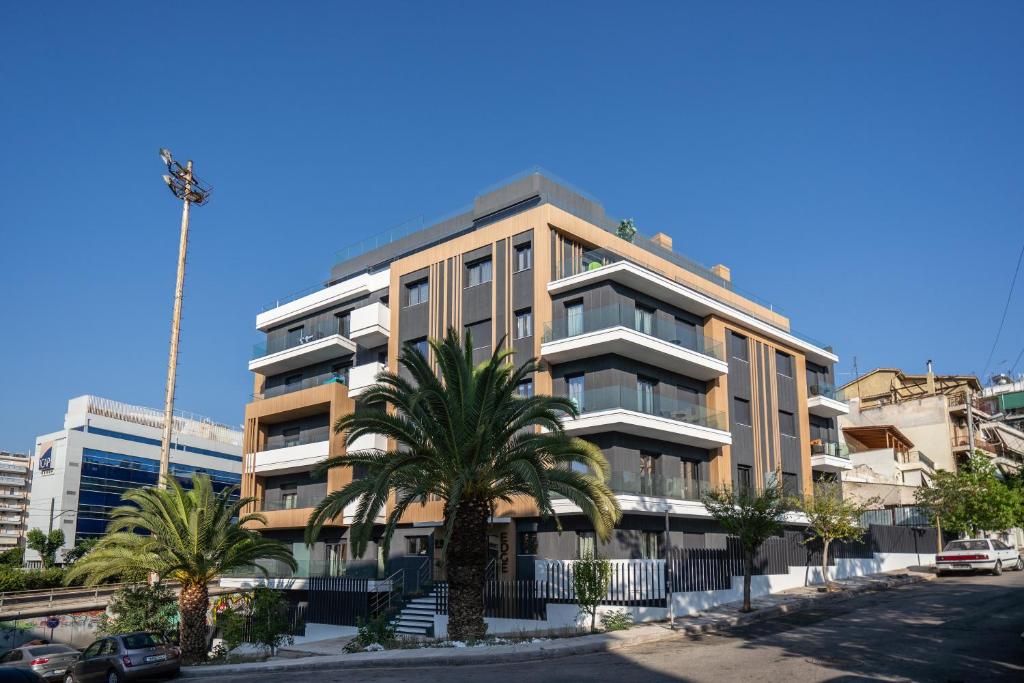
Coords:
pixel 142 608
pixel 591 577
pixel 831 518
pixel 753 516
pixel 466 436
pixel 190 536
pixel 46 545
pixel 972 499
pixel 79 551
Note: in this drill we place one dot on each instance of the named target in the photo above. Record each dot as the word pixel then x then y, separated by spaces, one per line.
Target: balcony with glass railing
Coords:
pixel 311 343
pixel 642 411
pixel 658 486
pixel 829 456
pixel 825 400
pixel 635 333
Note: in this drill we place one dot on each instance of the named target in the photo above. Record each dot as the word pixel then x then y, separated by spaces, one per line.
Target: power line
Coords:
pixel 1006 308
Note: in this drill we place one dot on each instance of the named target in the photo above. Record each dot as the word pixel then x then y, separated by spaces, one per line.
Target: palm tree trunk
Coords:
pixel 467 567
pixel 193 602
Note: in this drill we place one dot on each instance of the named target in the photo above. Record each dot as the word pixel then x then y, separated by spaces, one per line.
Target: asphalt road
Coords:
pixel 953 629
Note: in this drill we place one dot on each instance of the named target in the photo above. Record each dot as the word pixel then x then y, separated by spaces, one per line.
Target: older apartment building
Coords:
pixel 681 379
pixel 15 480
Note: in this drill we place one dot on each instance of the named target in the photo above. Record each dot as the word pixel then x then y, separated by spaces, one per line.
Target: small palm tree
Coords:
pixel 465 436
pixel 189 536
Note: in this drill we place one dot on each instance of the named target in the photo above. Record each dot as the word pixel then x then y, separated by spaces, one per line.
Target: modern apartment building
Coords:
pixel 106 448
pixel 682 379
pixel 15 479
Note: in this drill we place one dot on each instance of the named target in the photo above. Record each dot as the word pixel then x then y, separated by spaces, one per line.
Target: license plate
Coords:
pixel 156 658
pixel 58 672
pixel 962 565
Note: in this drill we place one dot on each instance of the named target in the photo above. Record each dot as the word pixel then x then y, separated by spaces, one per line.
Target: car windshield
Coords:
pixel 51 650
pixel 967 545
pixel 137 641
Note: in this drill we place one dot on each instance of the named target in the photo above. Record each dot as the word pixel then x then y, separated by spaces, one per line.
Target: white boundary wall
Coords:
pixel 566 616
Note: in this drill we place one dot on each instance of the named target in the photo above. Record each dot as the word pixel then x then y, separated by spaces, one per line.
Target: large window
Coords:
pixel 574 318
pixel 478 273
pixel 651 545
pixel 345 323
pixel 295 336
pixel 525 388
pixel 644 320
pixel 527 543
pixel 289 497
pixel 420 345
pixel 291 436
pixel 647 467
pixel 738 346
pixel 645 395
pixel 524 257
pixel 480 332
pixel 524 323
pixel 790 483
pixel 744 478
pixel 574 383
pixel 417 292
pixel 784 364
pixel 417 545
pixel 586 545
pixel 741 411
pixel 787 423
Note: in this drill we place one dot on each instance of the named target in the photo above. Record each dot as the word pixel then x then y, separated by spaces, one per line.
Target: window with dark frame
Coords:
pixel 651 545
pixel 741 411
pixel 289 496
pixel 291 436
pixel 417 292
pixel 478 272
pixel 790 483
pixel 574 318
pixel 643 319
pixel 524 257
pixel 525 388
pixel 784 364
pixel 524 323
pixel 787 423
pixel 420 345
pixel 744 479
pixel 345 323
pixel 574 384
pixel 586 544
pixel 417 545
pixel 527 543
pixel 738 347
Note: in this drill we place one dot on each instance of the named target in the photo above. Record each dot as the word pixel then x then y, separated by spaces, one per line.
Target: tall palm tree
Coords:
pixel 189 536
pixel 465 436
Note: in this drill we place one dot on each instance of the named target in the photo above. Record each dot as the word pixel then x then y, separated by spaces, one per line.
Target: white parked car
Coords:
pixel 986 554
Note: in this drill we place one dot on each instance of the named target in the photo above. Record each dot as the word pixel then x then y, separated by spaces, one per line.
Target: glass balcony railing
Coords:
pixel 637 399
pixel 626 315
pixel 310 332
pixel 658 485
pixel 305 437
pixel 309 382
pixel 826 390
pixel 836 450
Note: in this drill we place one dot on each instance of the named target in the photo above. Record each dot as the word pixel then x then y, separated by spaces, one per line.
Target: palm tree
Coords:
pixel 465 436
pixel 189 536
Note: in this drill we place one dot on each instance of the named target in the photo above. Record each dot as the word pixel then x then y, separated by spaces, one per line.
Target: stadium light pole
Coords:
pixel 190 190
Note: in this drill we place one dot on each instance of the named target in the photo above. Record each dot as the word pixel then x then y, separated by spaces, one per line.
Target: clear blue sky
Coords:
pixel 860 165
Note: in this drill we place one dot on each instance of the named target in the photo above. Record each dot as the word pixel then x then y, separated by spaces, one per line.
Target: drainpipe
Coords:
pixel 668 583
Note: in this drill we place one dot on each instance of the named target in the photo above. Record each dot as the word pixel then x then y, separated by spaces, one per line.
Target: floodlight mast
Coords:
pixel 190 190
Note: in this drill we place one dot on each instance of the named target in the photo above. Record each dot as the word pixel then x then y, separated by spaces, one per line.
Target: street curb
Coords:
pixel 563 647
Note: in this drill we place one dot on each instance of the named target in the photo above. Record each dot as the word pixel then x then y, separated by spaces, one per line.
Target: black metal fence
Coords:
pixel 503 599
pixel 336 600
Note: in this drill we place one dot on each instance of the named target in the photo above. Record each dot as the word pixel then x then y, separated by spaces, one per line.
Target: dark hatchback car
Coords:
pixel 127 657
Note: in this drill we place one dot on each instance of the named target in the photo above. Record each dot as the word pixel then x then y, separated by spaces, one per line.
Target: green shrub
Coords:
pixel 142 608
pixel 376 629
pixel 264 621
pixel 15 557
pixel 16 579
pixel 617 620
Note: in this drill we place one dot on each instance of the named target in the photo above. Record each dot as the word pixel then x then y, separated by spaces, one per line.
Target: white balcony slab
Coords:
pixel 370 325
pixel 302 355
pixel 352 288
pixel 368 442
pixel 654 426
pixel 823 406
pixel 830 463
pixel 688 299
pixel 654 505
pixel 291 459
pixel 362 376
pixel 627 342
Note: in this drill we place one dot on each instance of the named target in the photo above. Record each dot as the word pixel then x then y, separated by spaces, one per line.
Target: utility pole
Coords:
pixel 190 190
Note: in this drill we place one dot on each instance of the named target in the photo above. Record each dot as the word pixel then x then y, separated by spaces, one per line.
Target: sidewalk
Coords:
pixel 724 616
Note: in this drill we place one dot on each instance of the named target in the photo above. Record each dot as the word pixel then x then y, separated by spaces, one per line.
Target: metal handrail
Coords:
pixel 398 578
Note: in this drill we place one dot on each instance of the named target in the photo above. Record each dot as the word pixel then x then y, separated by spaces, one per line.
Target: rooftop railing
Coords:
pixel 622 315
pixel 631 398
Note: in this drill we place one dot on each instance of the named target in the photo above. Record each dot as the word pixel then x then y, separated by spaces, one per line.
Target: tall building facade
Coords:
pixel 106 448
pixel 682 380
pixel 15 479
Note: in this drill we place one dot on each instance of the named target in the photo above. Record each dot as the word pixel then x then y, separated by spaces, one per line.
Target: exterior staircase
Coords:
pixel 417 617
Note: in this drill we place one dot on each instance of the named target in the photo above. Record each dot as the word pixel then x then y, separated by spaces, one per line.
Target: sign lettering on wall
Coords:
pixel 46 457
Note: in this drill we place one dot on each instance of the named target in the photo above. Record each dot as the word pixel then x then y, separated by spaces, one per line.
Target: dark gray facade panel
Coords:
pixel 604 372
pixel 791 455
pixel 820 375
pixel 309 490
pixel 742 450
pixel 476 303
pixel 312 429
pixel 413 321
pixel 786 388
pixel 823 428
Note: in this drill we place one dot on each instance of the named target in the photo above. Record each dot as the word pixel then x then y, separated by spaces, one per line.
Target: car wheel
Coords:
pixel 1020 564
pixel 113 677
pixel 70 678
pixel 998 569
pixel 940 572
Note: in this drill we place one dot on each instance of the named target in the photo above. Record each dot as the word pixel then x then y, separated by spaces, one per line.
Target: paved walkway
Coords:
pixel 723 617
